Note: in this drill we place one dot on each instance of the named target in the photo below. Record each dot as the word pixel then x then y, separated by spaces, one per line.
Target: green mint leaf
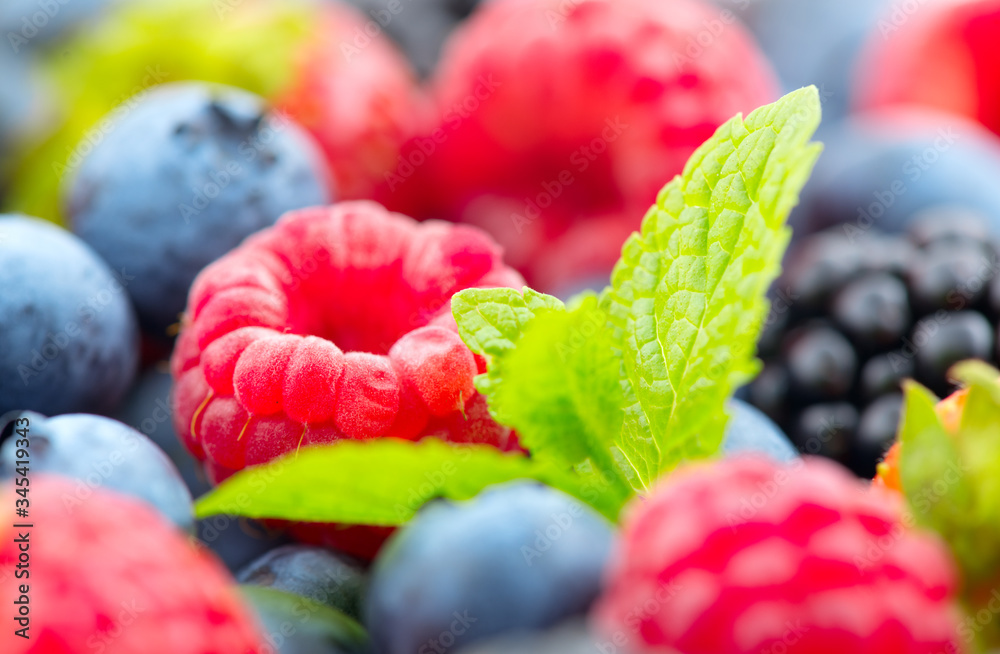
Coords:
pixel 559 389
pixel 383 482
pixel 687 299
pixel 490 320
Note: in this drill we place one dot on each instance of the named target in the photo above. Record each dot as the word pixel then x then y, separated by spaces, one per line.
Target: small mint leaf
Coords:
pixel 559 389
pixel 383 482
pixel 687 298
pixel 490 320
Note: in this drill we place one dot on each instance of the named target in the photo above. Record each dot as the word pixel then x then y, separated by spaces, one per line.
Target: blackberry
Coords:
pixel 855 314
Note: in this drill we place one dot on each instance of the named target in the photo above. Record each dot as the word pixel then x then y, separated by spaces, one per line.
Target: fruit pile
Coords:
pixel 453 326
pixel 855 313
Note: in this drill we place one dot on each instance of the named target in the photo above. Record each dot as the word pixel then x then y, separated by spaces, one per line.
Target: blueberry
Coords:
pixel 880 169
pixel 750 431
pixel 185 174
pixel 147 409
pixel 296 625
pixel 239 541
pixel 828 430
pixel 313 572
pixel 811 42
pixel 28 24
pixel 876 433
pixel 821 363
pixel 568 638
pixel 874 310
pixel 68 335
pixel 885 373
pixel 520 556
pixel 942 342
pixel 100 453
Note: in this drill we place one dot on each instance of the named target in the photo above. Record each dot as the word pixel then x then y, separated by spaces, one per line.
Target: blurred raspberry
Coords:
pixel 109 574
pixel 551 112
pixel 746 555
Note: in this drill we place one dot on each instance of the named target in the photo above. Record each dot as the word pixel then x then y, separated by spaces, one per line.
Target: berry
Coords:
pixel 860 312
pixel 335 323
pixel 568 638
pixel 297 625
pixel 951 43
pixel 423 29
pixel 750 431
pixel 520 556
pixel 880 170
pixel 361 103
pixel 110 573
pixel 147 409
pixel 185 175
pixel 813 42
pixel 555 118
pixel 745 555
pixel 99 452
pixel 68 335
pixel 311 572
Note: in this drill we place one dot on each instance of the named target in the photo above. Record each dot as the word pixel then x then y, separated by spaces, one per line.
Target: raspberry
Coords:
pixel 107 573
pixel 553 115
pixel 746 555
pixel 335 323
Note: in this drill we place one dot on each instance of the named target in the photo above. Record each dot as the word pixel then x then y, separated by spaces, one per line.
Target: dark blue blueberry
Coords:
pixel 147 408
pixel 100 452
pixel 321 575
pixel 182 178
pixel 751 432
pixel 296 625
pixel 68 335
pixel 520 556
pixel 880 170
pixel 237 541
pixel 814 42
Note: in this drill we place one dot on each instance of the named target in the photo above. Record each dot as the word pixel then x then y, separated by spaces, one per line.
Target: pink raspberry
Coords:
pixel 748 556
pixel 553 113
pixel 108 574
pixel 335 323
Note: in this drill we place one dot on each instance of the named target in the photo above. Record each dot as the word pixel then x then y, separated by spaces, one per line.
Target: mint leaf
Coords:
pixel 383 482
pixel 687 298
pixel 490 320
pixel 559 389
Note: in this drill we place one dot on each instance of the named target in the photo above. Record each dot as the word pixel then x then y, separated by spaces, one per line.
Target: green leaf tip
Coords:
pixel 384 482
pixel 687 298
